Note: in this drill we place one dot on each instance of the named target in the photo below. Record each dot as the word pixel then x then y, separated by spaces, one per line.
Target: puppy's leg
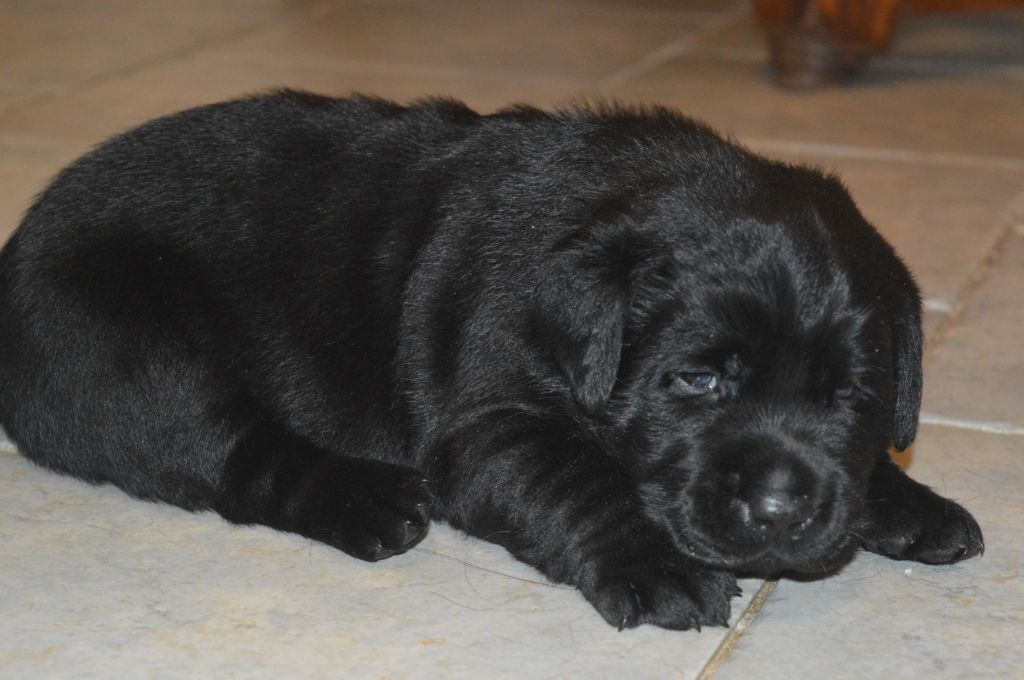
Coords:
pixel 569 509
pixel 906 520
pixel 369 509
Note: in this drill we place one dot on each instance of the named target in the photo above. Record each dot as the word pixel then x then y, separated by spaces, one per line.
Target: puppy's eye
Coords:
pixel 844 392
pixel 695 382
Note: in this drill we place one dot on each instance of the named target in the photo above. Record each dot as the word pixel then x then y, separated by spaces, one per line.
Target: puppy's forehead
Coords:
pixel 768 310
pixel 790 264
pixel 768 288
pixel 767 342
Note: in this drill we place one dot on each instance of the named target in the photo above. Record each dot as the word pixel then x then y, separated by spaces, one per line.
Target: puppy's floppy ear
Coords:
pixel 581 304
pixel 907 346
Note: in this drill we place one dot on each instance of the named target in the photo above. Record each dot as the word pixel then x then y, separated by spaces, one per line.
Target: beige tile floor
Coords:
pixel 930 142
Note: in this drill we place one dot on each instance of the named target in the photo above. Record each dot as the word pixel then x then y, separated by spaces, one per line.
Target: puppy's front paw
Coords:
pixel 928 529
pixel 669 593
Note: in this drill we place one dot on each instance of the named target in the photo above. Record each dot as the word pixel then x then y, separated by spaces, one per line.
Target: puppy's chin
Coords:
pixel 823 557
pixel 812 564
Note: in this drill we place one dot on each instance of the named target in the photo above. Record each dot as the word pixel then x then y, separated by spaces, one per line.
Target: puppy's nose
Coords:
pixel 780 505
pixel 776 512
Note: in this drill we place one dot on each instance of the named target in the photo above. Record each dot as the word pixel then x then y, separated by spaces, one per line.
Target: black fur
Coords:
pixel 639 357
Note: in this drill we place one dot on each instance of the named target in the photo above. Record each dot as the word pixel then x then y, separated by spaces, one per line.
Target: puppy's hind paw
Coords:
pixel 678 596
pixel 387 515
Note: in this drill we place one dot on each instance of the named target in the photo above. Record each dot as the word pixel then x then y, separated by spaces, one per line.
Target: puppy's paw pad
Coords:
pixel 678 599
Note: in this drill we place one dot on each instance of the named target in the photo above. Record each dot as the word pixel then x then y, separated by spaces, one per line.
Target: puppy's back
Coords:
pixel 230 239
pixel 265 253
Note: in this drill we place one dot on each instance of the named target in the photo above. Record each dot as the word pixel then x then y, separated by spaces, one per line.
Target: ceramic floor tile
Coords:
pixel 932 322
pixel 11 93
pixel 971 37
pixel 951 114
pixel 100 585
pixel 553 38
pixel 102 36
pixel 904 620
pixel 623 7
pixel 83 118
pixel 23 173
pixel 976 370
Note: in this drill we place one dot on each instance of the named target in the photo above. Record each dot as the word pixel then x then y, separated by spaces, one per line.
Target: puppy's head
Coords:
pixel 750 360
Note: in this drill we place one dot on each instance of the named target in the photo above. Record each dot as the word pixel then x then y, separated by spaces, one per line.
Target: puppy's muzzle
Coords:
pixel 763 503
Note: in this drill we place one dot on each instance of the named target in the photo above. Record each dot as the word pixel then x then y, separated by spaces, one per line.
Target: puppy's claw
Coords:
pixel 636 598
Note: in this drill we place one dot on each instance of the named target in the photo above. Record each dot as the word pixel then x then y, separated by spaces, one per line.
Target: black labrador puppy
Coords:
pixel 639 357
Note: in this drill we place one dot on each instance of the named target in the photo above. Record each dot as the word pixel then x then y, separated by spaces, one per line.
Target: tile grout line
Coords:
pixel 988 427
pixel 732 638
pixel 1013 219
pixel 647 63
pixel 909 156
pixel 345 64
pixel 669 51
pixel 682 46
pixel 932 304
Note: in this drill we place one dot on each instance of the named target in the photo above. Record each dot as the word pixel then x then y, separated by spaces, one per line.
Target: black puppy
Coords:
pixel 637 356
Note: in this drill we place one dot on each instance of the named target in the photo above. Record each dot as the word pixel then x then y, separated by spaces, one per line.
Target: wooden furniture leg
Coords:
pixel 814 42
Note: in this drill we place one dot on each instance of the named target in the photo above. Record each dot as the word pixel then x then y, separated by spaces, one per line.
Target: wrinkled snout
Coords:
pixel 767 503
